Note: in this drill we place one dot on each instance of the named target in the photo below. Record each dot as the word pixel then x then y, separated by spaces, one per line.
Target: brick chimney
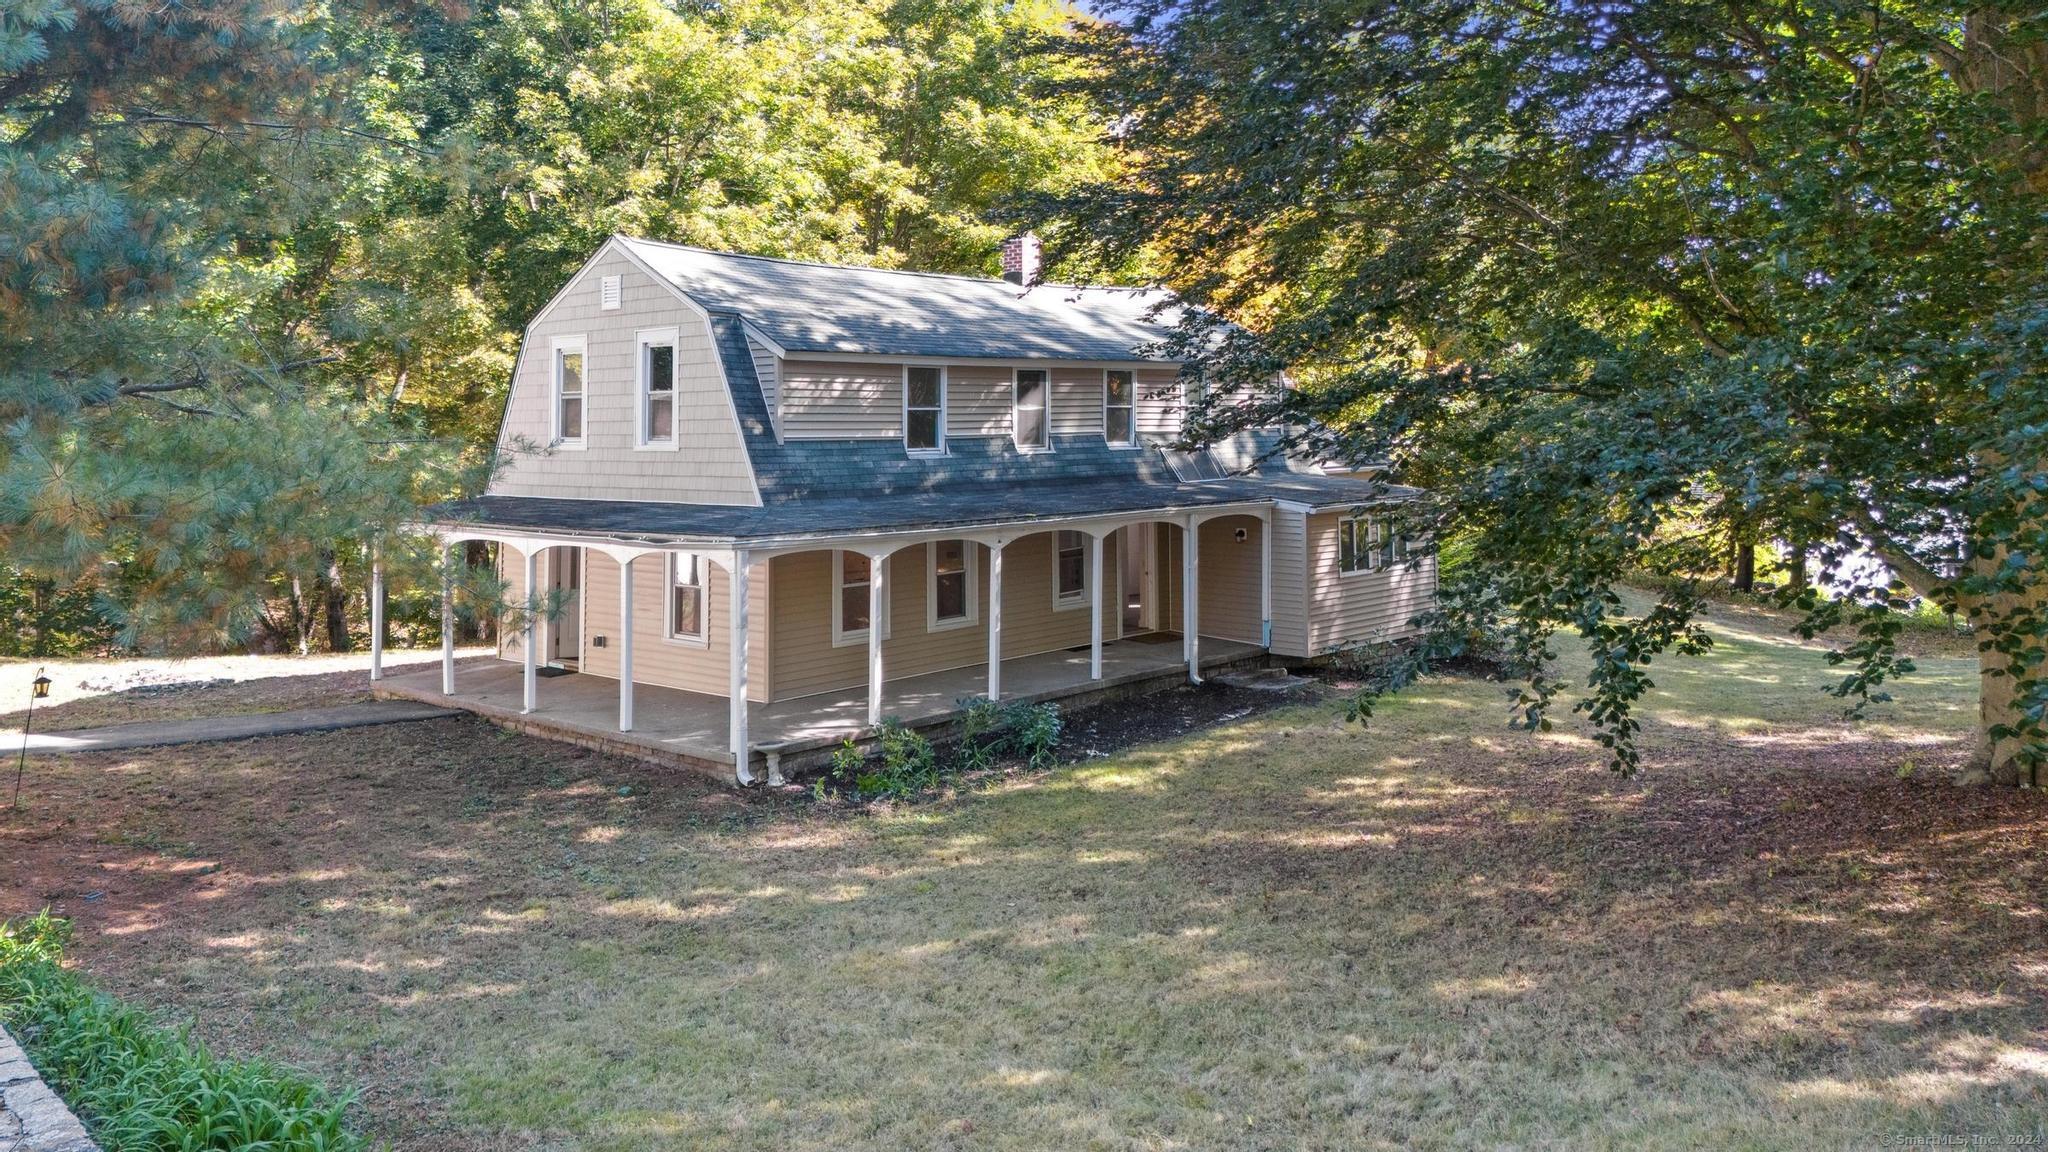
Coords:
pixel 1021 261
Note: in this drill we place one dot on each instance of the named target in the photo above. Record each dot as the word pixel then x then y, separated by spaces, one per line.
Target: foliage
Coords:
pixel 1622 284
pixel 39 618
pixel 903 764
pixel 139 1087
pixel 990 730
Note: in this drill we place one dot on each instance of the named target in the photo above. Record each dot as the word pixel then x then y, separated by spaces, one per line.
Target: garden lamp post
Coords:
pixel 41 691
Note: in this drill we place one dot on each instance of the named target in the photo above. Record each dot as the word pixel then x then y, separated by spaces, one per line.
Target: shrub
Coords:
pixel 140 1087
pixel 903 764
pixel 989 730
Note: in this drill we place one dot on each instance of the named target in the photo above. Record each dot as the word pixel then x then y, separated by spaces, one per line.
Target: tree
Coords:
pixel 1620 280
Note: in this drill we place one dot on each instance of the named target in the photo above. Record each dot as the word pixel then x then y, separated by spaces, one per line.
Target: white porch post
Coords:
pixel 376 613
pixel 625 643
pixel 447 620
pixel 736 686
pixel 878 597
pixel 531 639
pixel 1266 579
pixel 1190 597
pixel 995 620
pixel 1094 606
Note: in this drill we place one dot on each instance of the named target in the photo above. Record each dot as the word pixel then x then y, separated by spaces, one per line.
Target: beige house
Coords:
pixel 774 502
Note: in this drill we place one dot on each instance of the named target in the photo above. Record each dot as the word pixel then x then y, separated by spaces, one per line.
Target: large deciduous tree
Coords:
pixel 1623 282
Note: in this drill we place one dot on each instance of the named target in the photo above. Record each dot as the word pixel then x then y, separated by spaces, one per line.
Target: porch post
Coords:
pixel 531 642
pixel 376 613
pixel 1190 598
pixel 995 620
pixel 447 620
pixel 1094 606
pixel 625 643
pixel 1266 579
pixel 736 686
pixel 877 598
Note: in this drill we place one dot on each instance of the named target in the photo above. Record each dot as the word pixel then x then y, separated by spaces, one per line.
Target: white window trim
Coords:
pixel 1375 538
pixel 940 450
pixel 932 623
pixel 1016 383
pixel 561 344
pixel 668 603
pixel 841 638
pixel 1079 599
pixel 1132 407
pixel 642 341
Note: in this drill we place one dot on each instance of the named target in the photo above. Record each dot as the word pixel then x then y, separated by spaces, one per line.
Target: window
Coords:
pixel 851 579
pixel 685 597
pixel 1364 545
pixel 1118 422
pixel 658 388
pixel 950 591
pixel 924 408
pixel 1069 570
pixel 1032 429
pixel 569 391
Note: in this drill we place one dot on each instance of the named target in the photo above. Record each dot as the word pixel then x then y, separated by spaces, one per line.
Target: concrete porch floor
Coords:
pixel 689 729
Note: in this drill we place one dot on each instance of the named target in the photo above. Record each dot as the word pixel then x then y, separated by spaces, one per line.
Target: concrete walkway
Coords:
pixel 209 728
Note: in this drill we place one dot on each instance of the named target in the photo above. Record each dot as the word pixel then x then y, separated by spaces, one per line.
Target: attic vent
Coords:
pixel 608 293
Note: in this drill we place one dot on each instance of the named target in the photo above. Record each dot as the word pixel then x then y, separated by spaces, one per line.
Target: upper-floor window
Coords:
pixel 950 592
pixel 1118 415
pixel 1069 569
pixel 1364 544
pixel 1032 430
pixel 924 408
pixel 568 373
pixel 658 388
pixel 685 597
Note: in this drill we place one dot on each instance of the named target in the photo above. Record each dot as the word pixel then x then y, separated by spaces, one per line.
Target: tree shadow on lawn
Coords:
pixel 1287 932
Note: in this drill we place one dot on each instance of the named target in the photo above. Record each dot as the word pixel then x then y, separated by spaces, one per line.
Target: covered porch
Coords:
pixel 692 729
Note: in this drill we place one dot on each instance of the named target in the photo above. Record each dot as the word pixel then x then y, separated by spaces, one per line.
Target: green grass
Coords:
pixel 1283 933
pixel 142 1088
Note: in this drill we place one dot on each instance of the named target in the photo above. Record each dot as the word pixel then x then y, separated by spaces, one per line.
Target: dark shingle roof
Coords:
pixel 830 308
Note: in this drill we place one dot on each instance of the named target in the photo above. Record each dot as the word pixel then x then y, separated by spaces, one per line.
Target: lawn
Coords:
pixel 1281 933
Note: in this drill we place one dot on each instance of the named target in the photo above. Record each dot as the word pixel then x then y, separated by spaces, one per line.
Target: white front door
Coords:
pixel 565 630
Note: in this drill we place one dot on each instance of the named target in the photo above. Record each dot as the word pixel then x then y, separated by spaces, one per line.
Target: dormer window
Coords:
pixel 1028 416
pixel 658 389
pixel 924 409
pixel 568 373
pixel 1119 423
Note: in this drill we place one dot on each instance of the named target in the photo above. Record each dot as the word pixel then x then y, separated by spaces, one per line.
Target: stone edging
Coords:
pixel 32 1118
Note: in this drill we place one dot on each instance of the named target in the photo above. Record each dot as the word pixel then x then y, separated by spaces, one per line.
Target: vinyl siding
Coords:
pixel 1158 403
pixel 768 370
pixel 675 663
pixel 1076 400
pixel 709 465
pixel 1290 583
pixel 978 398
pixel 1360 608
pixel 826 400
pixel 1229 579
pixel 806 661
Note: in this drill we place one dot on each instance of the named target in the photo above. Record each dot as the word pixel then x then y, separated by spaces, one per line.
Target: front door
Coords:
pixel 565 630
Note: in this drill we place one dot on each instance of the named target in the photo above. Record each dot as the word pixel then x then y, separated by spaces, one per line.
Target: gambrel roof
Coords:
pixel 800 307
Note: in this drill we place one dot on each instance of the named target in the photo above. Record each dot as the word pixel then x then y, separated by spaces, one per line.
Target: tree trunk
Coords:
pixel 1744 578
pixel 302 617
pixel 1795 569
pixel 1998 761
pixel 337 607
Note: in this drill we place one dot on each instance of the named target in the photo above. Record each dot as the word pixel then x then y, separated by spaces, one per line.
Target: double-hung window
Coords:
pixel 1364 544
pixel 1033 431
pixel 1069 570
pixel 685 597
pixel 852 577
pixel 658 388
pixel 1119 423
pixel 951 591
pixel 568 373
pixel 924 409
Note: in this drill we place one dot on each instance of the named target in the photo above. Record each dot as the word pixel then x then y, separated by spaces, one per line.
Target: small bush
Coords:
pixel 990 730
pixel 903 764
pixel 139 1087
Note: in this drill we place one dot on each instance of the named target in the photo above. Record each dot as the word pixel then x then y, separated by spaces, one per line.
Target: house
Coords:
pixel 772 502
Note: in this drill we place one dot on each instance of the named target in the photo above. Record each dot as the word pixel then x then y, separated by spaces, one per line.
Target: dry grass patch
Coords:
pixel 1281 933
